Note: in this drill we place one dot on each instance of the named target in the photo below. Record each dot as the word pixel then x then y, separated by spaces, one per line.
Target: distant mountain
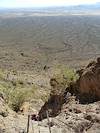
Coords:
pixel 84 7
pixel 79 7
pixel 91 6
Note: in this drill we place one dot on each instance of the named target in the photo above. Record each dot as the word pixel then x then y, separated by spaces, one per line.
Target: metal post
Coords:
pixel 32 126
pixel 38 125
pixel 28 123
pixel 48 121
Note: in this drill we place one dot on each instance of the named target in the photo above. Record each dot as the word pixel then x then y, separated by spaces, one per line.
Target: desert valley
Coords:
pixel 50 67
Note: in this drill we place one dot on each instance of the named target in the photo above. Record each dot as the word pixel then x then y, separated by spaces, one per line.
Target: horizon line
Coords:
pixel 49 6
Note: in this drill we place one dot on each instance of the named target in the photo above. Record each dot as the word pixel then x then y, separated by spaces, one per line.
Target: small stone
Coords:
pixel 88 117
pixel 4 113
pixel 77 111
pixel 70 110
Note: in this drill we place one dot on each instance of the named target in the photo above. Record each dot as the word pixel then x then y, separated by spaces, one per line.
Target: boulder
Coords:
pixel 89 82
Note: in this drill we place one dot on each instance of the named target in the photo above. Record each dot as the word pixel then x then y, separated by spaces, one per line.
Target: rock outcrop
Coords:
pixel 86 89
pixel 66 114
pixel 89 82
pixel 55 101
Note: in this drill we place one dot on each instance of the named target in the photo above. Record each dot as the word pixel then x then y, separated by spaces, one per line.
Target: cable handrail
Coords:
pixel 30 121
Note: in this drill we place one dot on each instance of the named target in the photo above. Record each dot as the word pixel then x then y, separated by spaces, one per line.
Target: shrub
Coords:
pixel 62 78
pixel 15 95
pixel 67 74
pixel 5 89
pixel 20 95
pixel 2 74
pixel 17 98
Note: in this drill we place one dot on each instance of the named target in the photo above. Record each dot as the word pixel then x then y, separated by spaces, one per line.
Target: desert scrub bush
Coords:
pixel 63 77
pixel 5 89
pixel 20 95
pixel 66 73
pixel 31 91
pixel 2 74
pixel 16 95
pixel 17 98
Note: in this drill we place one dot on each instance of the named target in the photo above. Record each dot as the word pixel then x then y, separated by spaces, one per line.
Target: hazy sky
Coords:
pixel 41 3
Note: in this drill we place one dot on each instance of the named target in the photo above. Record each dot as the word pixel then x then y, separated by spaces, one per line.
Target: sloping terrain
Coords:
pixel 31 42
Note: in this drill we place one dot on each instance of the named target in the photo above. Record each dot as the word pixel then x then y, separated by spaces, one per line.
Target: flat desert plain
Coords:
pixel 29 41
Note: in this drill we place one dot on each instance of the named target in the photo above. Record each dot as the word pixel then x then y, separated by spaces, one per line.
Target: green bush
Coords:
pixel 15 95
pixel 12 96
pixel 17 98
pixel 66 74
pixel 19 95
pixel 63 77
pixel 6 89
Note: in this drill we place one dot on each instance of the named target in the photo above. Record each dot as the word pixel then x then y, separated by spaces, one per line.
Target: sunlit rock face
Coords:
pixel 89 83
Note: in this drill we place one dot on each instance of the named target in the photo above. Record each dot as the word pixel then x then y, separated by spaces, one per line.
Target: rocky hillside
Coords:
pixel 73 118
pixel 73 105
pixel 80 112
